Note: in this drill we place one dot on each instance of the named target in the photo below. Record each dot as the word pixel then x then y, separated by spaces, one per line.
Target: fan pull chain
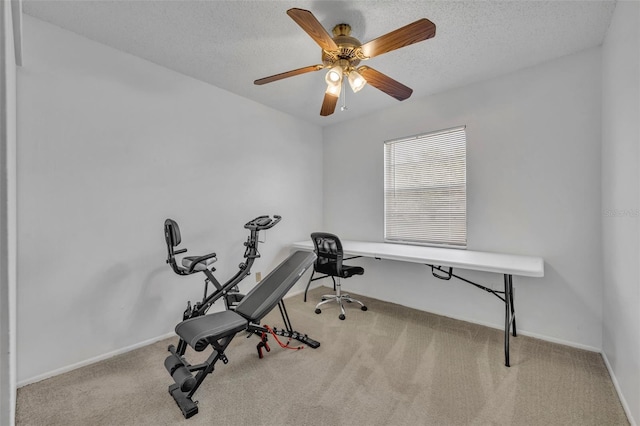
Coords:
pixel 344 96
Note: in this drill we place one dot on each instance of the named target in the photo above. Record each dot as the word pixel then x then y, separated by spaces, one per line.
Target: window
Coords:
pixel 425 180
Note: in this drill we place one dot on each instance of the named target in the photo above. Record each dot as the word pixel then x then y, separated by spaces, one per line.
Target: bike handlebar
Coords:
pixel 262 222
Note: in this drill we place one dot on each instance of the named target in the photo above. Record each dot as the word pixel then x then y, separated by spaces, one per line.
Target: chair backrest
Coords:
pixel 329 253
pixel 172 233
pixel 173 239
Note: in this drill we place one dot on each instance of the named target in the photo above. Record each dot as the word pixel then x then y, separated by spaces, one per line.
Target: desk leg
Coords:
pixel 513 310
pixel 509 309
pixel 509 315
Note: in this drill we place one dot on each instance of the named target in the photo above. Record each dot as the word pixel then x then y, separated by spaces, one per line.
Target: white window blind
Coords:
pixel 425 180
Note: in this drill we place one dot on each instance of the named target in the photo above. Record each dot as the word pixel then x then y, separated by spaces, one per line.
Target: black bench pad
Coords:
pixel 266 295
pixel 214 326
pixel 253 307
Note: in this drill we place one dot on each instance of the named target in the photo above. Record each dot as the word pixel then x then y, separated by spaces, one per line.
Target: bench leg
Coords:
pixel 186 405
pixel 184 399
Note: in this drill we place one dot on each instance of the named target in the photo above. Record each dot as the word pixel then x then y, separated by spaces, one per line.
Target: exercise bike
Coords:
pixel 242 313
pixel 228 291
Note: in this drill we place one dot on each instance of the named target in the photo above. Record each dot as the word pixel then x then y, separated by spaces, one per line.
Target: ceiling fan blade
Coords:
pixel 328 104
pixel 385 83
pixel 313 27
pixel 291 73
pixel 420 30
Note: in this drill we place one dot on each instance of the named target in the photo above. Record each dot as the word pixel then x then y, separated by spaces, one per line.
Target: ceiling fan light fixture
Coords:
pixel 334 76
pixel 356 81
pixel 333 89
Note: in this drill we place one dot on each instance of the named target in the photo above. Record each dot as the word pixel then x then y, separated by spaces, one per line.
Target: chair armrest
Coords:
pixel 352 257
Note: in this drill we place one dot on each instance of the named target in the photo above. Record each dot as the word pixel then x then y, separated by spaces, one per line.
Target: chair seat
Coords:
pixel 347 271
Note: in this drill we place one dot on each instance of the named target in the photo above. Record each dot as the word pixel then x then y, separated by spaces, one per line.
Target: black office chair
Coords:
pixel 329 254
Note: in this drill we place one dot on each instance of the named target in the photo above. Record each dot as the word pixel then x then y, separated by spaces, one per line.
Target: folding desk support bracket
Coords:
pixel 506 296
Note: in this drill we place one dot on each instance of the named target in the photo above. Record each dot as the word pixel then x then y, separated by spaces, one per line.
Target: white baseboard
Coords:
pixel 623 401
pixel 92 360
pixel 559 341
pixel 495 326
pixel 108 355
pixel 525 333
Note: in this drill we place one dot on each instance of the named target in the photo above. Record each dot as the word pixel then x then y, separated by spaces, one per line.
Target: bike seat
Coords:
pixel 200 265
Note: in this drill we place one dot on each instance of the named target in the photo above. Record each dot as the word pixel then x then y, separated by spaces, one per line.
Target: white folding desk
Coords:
pixel 444 260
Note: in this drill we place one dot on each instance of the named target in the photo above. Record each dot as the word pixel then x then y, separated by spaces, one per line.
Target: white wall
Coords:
pixel 8 247
pixel 533 188
pixel 110 146
pixel 621 201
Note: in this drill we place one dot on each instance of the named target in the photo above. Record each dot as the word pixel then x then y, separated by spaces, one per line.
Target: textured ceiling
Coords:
pixel 231 43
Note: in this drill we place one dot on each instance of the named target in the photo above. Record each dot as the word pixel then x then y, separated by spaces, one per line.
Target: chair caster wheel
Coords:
pixel 318 310
pixel 364 308
pixel 342 317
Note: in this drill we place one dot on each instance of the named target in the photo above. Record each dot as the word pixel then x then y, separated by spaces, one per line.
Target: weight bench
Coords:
pixel 218 329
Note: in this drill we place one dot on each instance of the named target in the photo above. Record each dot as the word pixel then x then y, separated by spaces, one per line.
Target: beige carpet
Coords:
pixel 388 366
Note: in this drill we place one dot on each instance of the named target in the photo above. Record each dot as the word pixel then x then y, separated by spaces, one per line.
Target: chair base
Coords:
pixel 339 299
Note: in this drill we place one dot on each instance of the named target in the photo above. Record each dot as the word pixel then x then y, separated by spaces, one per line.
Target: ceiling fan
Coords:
pixel 342 53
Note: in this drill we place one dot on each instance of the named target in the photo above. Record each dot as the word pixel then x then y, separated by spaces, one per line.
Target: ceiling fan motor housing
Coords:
pixel 348 55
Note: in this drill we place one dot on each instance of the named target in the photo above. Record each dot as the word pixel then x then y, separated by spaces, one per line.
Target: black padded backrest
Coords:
pixel 172 238
pixel 329 250
pixel 266 295
pixel 172 233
